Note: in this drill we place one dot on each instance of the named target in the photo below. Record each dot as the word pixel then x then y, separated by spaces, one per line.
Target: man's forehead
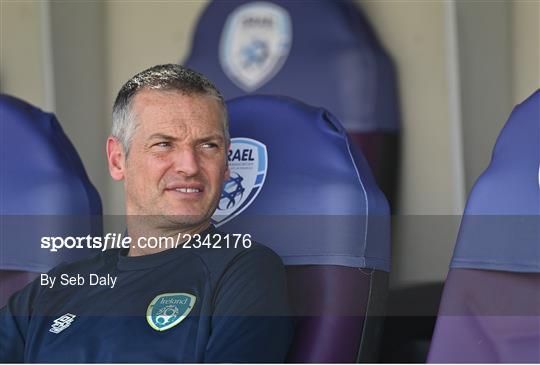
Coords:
pixel 172 99
pixel 173 112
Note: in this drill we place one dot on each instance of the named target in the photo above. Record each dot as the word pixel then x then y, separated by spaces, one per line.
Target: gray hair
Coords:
pixel 169 77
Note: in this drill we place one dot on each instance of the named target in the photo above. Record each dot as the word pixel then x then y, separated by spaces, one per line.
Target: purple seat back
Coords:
pixel 45 192
pixel 339 312
pixel 490 310
pixel 488 317
pixel 300 187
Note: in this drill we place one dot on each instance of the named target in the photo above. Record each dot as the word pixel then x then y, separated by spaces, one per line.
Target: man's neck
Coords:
pixel 142 236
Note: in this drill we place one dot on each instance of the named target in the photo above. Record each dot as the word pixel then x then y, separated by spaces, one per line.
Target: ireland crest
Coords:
pixel 167 310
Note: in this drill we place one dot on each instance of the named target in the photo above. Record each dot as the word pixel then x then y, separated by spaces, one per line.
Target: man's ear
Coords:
pixel 116 158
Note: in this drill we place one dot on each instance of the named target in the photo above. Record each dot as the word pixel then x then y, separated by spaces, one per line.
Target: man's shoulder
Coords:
pixel 249 284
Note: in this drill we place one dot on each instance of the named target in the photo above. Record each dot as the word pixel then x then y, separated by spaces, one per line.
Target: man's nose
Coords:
pixel 186 162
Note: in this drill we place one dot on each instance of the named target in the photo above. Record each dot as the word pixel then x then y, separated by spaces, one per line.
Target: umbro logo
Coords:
pixel 62 323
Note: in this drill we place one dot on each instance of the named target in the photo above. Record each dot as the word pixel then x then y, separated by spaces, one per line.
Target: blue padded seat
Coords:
pixel 299 186
pixel 490 309
pixel 44 188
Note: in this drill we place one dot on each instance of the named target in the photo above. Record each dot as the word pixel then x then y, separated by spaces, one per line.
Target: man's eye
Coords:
pixel 162 144
pixel 209 145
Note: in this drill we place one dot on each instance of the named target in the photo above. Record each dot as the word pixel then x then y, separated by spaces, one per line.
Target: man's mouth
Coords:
pixel 188 190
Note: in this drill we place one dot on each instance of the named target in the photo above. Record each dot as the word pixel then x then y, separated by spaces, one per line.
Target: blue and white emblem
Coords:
pixel 255 43
pixel 61 323
pixel 167 310
pixel 248 163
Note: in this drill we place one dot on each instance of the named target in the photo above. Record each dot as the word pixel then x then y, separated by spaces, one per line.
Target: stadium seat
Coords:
pixel 490 309
pixel 323 53
pixel 299 186
pixel 44 191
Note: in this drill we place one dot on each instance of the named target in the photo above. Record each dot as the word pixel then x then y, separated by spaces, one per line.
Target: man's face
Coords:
pixel 177 160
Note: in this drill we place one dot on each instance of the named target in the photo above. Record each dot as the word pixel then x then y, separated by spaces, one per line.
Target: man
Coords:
pixel 193 303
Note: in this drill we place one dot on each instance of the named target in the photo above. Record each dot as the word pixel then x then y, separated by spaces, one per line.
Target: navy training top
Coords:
pixel 179 305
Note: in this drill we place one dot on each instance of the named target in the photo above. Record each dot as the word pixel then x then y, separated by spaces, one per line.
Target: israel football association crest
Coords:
pixel 255 43
pixel 167 310
pixel 248 163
